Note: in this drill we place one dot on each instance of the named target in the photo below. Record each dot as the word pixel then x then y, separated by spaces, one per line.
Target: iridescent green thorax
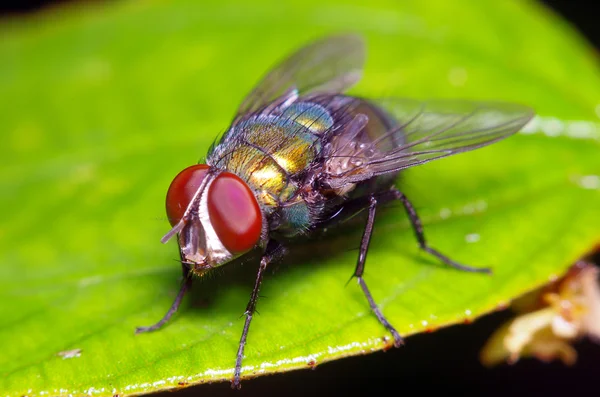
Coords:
pixel 267 151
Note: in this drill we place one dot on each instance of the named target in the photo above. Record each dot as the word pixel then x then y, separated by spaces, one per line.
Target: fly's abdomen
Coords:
pixel 365 132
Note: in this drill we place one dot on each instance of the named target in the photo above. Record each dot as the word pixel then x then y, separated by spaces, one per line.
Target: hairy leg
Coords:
pixel 273 252
pixel 185 286
pixel 360 267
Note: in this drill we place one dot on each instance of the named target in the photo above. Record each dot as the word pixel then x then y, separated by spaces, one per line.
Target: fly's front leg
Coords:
pixel 185 286
pixel 273 252
pixel 360 267
pixel 418 228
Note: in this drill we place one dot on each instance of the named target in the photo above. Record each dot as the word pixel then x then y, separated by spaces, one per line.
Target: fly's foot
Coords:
pixel 398 340
pixel 235 383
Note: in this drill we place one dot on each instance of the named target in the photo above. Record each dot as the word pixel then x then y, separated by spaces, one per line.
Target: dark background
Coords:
pixel 445 362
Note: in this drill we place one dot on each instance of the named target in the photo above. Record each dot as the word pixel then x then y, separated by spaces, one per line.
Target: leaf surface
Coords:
pixel 102 106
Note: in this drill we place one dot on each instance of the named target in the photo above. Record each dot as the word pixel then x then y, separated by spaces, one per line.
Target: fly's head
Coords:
pixel 215 215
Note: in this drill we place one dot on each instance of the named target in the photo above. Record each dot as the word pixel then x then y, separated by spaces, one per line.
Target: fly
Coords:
pixel 301 156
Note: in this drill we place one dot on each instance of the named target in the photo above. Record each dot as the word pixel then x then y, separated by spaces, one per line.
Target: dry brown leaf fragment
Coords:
pixel 549 320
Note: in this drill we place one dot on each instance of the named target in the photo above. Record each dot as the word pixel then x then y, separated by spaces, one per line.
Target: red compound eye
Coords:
pixel 182 191
pixel 234 213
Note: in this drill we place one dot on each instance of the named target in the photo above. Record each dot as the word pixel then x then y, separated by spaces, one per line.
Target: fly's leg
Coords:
pixel 273 252
pixel 185 285
pixel 418 228
pixel 354 207
pixel 373 201
pixel 360 267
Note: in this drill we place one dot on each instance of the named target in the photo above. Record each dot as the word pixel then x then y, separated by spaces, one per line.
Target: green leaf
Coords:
pixel 102 105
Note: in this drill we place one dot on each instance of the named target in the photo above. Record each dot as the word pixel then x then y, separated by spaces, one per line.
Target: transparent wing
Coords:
pixel 330 65
pixel 422 132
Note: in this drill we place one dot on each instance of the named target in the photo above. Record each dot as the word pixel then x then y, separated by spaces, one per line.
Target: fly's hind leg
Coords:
pixel 418 229
pixel 373 201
